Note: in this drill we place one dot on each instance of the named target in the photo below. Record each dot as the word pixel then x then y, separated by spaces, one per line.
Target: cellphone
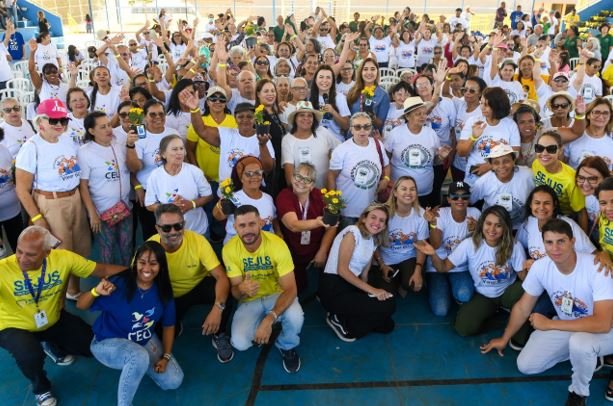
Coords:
pixel 140 131
pixel 371 295
pixel 395 273
pixel 55 242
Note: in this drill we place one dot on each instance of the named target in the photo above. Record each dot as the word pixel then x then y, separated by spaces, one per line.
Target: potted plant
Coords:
pixel 136 116
pixel 250 32
pixel 333 204
pixel 226 203
pixel 262 126
pixel 368 96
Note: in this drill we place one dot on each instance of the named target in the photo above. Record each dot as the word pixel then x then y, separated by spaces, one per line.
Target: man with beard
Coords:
pixel 261 271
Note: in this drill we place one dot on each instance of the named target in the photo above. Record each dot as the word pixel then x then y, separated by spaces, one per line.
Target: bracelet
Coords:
pixel 36 218
pixel 196 110
pixel 432 226
pixel 151 80
pixel 387 178
pixel 130 146
pixel 448 78
pixel 117 55
pixel 137 187
pixel 192 71
pixel 274 315
pixel 94 292
pixel 167 356
pixel 579 116
pixel 194 203
pixel 473 138
pixel 221 65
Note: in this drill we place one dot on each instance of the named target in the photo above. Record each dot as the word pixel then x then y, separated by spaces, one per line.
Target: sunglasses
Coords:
pixel 252 174
pixel 303 179
pixel 560 106
pixel 458 196
pixel 55 121
pixel 261 62
pixel 469 90
pixel 16 109
pixel 167 227
pixel 154 115
pixel 551 149
pixel 359 127
pixel 123 115
pixel 216 99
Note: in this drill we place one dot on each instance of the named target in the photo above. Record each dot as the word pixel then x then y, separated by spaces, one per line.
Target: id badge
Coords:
pixel 305 238
pixel 567 305
pixel 414 157
pixel 40 318
pixel 505 200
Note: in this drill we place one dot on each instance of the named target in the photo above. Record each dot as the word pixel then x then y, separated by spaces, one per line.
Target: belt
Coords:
pixel 55 195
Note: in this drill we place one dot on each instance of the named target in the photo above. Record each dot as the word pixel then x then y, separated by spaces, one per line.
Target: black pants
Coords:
pixel 359 313
pixel 70 334
pixel 13 228
pixel 204 293
pixel 147 221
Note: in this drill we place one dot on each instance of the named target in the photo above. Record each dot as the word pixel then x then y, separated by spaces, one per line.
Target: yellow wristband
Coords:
pixel 194 203
pixel 117 55
pixel 196 110
pixel 138 187
pixel 386 178
pixel 192 71
pixel 36 218
pixel 579 116
pixel 473 138
pixel 94 293
pixel 221 65
pixel 432 226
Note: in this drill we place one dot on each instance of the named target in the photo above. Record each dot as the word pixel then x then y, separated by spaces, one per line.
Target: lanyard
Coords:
pixel 41 282
pixel 304 209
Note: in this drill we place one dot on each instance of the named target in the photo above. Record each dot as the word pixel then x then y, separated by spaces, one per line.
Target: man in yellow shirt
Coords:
pixel 261 271
pixel 196 276
pixel 32 286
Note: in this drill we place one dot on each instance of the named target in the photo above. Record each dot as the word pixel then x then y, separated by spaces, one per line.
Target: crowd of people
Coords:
pixel 357 161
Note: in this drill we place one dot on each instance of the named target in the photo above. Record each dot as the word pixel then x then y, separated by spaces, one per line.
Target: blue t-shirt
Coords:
pixel 15 47
pixel 134 320
pixel 380 105
pixel 515 18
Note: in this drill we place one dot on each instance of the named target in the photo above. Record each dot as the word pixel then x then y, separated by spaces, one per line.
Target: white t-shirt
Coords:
pixel 402 233
pixel 45 54
pixel 328 121
pixel 119 77
pixel 361 256
pixel 176 50
pixel 453 234
pixel 506 131
pixel 315 150
pixel 490 279
pixel 75 130
pixel 590 88
pixel 265 205
pixel 189 183
pixel 413 155
pixel 234 146
pixel 512 88
pixel 425 50
pixel 55 166
pixel 406 54
pixel 454 21
pixel 573 296
pixel 106 103
pixel 586 146
pixel 326 42
pixel 511 195
pixel 148 151
pixel 105 171
pixel 461 117
pixel 236 100
pixel 395 118
pixel 180 122
pixel 49 91
pixel 9 204
pixel 15 137
pixel 359 174
pixel 531 238
pixel 442 120
pixel 5 69
pixel 381 48
pixel 341 87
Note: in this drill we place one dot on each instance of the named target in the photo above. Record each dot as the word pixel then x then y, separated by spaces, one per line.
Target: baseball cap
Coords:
pixel 216 89
pixel 52 108
pixel 455 187
pixel 563 75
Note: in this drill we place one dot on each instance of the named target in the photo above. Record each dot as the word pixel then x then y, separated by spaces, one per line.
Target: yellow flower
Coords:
pixel 324 191
pixel 339 192
pixel 227 189
pixel 332 193
pixel 260 108
pixel 335 200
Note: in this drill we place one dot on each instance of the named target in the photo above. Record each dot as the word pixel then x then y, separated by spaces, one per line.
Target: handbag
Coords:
pixel 383 195
pixel 120 210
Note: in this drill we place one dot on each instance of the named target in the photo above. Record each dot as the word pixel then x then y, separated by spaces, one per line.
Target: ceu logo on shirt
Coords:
pixel 77 135
pixel 234 155
pixel 5 178
pixel 112 170
pixel 415 156
pixel 400 241
pixel 491 274
pixel 172 196
pixel 365 174
pixel 141 325
pixel 67 167
pixel 20 288
pixel 579 308
pixel 407 54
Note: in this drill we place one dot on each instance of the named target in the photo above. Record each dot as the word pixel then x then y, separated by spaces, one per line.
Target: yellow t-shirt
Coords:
pixel 207 156
pixel 17 306
pixel 529 84
pixel 191 263
pixel 563 183
pixel 605 230
pixel 607 75
pixel 266 265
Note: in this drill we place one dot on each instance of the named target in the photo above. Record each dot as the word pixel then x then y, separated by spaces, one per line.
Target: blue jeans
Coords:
pixel 249 314
pixel 135 361
pixel 443 285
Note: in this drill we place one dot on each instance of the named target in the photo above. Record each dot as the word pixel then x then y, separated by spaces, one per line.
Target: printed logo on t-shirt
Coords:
pixel 436 122
pixel 512 96
pixel 6 179
pixel 234 155
pixel 485 145
pixel 450 243
pixel 541 179
pixel 607 237
pixel 172 195
pixel 257 264
pixel 569 305
pixel 535 253
pixel 157 158
pixel 141 325
pixel 588 91
pixel 365 174
pixel 415 156
pixel 400 241
pixel 77 135
pixel 67 167
pixel 112 170
pixel 492 274
pixel 22 293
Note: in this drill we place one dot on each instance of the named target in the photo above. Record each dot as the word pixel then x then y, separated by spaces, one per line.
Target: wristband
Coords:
pixel 167 356
pixel 194 203
pixel 274 315
pixel 579 116
pixel 192 71
pixel 117 55
pixel 130 146
pixel 94 293
pixel 196 110
pixel 448 78
pixel 432 226
pixel 151 80
pixel 387 178
pixel 473 138
pixel 221 65
pixel 137 187
pixel 36 218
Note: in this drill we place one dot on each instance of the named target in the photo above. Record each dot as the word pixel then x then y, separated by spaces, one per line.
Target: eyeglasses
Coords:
pixel 600 113
pixel 592 180
pixel 560 106
pixel 15 108
pixel 458 196
pixel 299 88
pixel 304 179
pixel 133 45
pixel 469 90
pixel 216 99
pixel 346 69
pixel 551 149
pixel 55 121
pixel 252 174
pixel 438 53
pixel 359 127
pixel 262 62
pixel 154 114
pixel 167 227
pixel 123 115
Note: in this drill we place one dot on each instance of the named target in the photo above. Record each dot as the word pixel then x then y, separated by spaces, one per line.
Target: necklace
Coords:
pixel 143 292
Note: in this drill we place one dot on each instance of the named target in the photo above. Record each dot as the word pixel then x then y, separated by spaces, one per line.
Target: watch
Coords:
pixel 222 306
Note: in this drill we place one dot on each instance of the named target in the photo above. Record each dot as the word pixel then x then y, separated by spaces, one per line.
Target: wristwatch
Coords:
pixel 222 306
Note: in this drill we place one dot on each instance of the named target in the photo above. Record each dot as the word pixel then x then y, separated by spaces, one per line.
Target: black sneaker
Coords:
pixel 291 360
pixel 515 346
pixel 575 400
pixel 45 399
pixel 55 355
pixel 338 328
pixel 221 342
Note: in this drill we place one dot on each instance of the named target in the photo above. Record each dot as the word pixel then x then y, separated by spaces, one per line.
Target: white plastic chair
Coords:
pixel 388 81
pixel 399 72
pixel 386 72
pixel 21 67
pixel 21 84
pixel 573 62
pixel 14 93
